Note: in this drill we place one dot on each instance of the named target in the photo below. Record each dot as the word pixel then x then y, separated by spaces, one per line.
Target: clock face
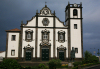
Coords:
pixel 45 12
pixel 75 5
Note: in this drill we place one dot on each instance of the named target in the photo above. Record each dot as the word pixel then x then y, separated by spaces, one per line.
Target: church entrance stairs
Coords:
pixel 29 63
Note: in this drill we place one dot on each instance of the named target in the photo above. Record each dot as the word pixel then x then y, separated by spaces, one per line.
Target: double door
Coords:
pixel 28 55
pixel 45 54
pixel 61 55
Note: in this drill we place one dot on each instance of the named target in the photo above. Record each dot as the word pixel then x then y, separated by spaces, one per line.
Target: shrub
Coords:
pixel 27 67
pixel 75 67
pixel 35 67
pixel 42 66
pixel 89 58
pixel 10 64
pixel 54 63
pixel 77 63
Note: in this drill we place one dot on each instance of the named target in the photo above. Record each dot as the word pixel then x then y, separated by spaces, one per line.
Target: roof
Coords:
pixel 2 51
pixel 13 30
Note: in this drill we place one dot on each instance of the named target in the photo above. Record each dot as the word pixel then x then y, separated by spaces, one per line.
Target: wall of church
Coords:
pixel 76 36
pixel 58 23
pixel 13 45
pixel 71 13
pixel 25 43
pixel 40 24
pixel 65 44
pixel 40 40
pixel 32 22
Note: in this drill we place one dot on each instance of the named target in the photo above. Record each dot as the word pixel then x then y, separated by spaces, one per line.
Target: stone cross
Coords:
pixel 45 3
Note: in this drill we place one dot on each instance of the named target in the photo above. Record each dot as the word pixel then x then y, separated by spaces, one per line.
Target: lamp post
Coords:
pixel 98 52
pixel 94 51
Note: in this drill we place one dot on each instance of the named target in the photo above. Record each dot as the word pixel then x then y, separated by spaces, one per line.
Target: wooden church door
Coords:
pixel 28 55
pixel 61 55
pixel 45 54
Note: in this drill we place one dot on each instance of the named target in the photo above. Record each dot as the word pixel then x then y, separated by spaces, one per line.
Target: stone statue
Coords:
pixel 72 54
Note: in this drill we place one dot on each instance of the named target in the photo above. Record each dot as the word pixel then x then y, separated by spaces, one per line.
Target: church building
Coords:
pixel 45 37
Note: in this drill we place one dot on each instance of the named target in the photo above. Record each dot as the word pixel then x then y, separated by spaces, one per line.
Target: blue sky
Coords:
pixel 12 12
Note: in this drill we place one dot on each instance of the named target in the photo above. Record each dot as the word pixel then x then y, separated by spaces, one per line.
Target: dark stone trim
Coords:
pixel 30 49
pixel 64 49
pixel 20 46
pixel 71 6
pixel 41 52
pixel 72 18
pixel 81 32
pixel 6 45
pixel 13 31
pixel 45 16
pixel 36 35
pixel 45 27
pixel 54 35
pixel 69 46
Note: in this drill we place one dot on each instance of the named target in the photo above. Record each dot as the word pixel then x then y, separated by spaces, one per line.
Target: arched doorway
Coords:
pixel 28 53
pixel 61 53
pixel 45 52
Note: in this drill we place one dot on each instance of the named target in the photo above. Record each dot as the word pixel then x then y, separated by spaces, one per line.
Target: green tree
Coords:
pixel 10 64
pixel 89 58
pixel 54 63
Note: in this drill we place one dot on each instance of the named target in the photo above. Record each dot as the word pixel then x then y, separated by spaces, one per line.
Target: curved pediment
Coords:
pixel 31 22
pixel 45 11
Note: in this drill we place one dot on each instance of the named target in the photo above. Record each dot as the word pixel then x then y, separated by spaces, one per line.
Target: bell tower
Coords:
pixel 73 19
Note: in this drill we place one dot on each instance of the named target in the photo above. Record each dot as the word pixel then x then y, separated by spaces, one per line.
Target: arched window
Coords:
pixel 75 12
pixel 45 36
pixel 28 35
pixel 61 37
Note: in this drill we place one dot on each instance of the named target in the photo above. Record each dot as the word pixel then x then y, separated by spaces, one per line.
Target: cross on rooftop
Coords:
pixel 45 3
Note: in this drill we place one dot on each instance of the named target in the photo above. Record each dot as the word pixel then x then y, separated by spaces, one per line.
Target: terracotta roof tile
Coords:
pixel 14 30
pixel 1 51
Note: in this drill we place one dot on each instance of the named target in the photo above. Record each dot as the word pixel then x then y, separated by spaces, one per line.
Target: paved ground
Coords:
pixel 93 67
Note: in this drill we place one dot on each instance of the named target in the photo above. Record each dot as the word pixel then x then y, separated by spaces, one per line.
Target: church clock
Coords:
pixel 45 12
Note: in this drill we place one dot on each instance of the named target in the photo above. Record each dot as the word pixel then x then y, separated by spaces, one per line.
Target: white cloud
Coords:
pixel 88 34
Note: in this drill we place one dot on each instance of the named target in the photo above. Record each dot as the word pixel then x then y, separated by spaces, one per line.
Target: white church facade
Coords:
pixel 45 37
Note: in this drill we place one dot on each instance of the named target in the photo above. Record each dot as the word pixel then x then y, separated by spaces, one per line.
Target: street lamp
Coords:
pixel 98 52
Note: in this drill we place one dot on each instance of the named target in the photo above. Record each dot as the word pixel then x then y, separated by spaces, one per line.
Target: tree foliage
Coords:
pixel 89 58
pixel 10 64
